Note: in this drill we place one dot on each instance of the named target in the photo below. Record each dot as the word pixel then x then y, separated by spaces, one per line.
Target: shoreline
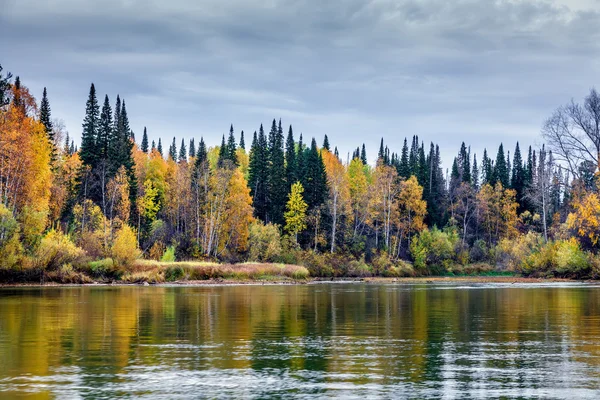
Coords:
pixel 312 281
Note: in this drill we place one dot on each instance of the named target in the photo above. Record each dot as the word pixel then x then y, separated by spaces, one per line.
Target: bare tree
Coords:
pixel 573 133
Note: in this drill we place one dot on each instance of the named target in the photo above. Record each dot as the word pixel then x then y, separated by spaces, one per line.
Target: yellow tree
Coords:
pixel 238 213
pixel 338 191
pixel 412 210
pixel 585 218
pixel 295 215
pixel 497 212
pixel 358 185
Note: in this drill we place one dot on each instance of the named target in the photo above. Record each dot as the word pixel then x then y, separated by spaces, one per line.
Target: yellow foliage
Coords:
pixel 124 248
pixel 585 218
pixel 295 216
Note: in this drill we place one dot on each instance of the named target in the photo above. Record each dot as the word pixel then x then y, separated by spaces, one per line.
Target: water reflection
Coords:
pixel 344 340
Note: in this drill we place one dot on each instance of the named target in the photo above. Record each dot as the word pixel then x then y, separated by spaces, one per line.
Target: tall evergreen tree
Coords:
pixel 192 150
pixel 363 154
pixel 144 146
pixel 242 141
pixel 45 117
pixel 182 152
pixel 201 154
pixel 315 178
pixel 153 146
pixel 223 153
pixel 278 187
pixel 519 178
pixel 258 175
pixel 501 169
pixel 4 87
pixel 173 150
pixel 18 102
pixel 300 157
pixel 159 148
pixel 105 133
pixel 381 153
pixel 475 173
pixel 231 147
pixel 91 125
pixel 403 165
pixel 326 143
pixel 290 159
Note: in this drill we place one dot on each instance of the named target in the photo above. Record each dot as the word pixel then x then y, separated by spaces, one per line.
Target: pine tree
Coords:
pixel 144 146
pixel 106 128
pixel 242 142
pixel 182 152
pixel 159 148
pixel 202 154
pixel 223 153
pixel 278 187
pixel 363 154
pixel 18 102
pixel 475 173
pixel 45 118
pixel 381 153
pixel 258 175
pixel 518 178
pixel 4 87
pixel 173 150
pixel 67 149
pixel 290 158
pixel 501 169
pixel 488 172
pixel 326 143
pixel 403 165
pixel 314 180
pixel 153 146
pixel 192 150
pixel 300 158
pixel 231 147
pixel 91 125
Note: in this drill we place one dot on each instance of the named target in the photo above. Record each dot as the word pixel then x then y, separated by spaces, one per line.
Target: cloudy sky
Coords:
pixel 449 71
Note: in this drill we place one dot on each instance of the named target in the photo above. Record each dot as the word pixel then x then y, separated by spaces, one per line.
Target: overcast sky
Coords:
pixel 449 71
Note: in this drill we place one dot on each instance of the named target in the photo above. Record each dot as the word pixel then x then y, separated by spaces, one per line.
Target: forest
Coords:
pixel 113 206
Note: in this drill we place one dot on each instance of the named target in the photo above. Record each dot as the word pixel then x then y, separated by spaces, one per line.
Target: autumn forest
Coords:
pixel 115 206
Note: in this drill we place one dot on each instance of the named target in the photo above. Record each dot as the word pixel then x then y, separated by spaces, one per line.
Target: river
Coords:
pixel 344 340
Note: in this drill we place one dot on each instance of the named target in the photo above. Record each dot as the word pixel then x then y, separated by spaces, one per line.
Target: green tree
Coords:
pixel 182 152
pixel 278 188
pixel 91 123
pixel 290 158
pixel 501 173
pixel 144 146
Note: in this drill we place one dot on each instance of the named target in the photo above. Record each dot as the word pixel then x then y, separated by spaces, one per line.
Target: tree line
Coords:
pixel 284 199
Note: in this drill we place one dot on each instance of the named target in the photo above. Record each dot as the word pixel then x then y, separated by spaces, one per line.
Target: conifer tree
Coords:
pixel 159 148
pixel 17 100
pixel 290 158
pixel 91 125
pixel 223 153
pixel 501 169
pixel 45 117
pixel 67 149
pixel 153 146
pixel 231 147
pixel 192 150
pixel 202 154
pixel 518 178
pixel 4 87
pixel 182 152
pixel 363 154
pixel 475 173
pixel 381 153
pixel 278 187
pixel 144 146
pixel 105 131
pixel 326 143
pixel 300 158
pixel 258 175
pixel 314 180
pixel 242 141
pixel 173 150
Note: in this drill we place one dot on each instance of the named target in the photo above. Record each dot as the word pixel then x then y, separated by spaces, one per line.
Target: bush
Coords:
pixel 92 244
pixel 509 254
pixel 359 269
pixel 264 242
pixel 479 251
pixel 433 250
pixel 174 273
pixel 124 248
pixel 168 255
pixel 560 258
pixel 11 250
pixel 102 268
pixel 317 264
pixel 66 274
pixel 55 250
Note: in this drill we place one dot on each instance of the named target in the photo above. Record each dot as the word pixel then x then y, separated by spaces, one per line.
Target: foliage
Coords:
pixel 168 255
pixel 264 242
pixel 433 250
pixel 11 250
pixel 57 249
pixel 124 249
pixel 295 215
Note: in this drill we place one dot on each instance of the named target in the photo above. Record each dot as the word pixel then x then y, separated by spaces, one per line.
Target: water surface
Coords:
pixel 322 340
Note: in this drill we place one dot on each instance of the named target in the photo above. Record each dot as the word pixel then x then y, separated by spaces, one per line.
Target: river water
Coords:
pixel 344 340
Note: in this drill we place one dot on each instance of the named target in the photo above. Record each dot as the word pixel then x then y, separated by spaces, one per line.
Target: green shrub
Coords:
pixel 509 254
pixel 56 250
pixel 264 242
pixel 174 273
pixel 571 259
pixel 359 269
pixel 433 250
pixel 168 255
pixel 479 251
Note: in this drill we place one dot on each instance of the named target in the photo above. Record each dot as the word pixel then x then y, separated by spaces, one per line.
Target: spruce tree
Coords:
pixel 153 146
pixel 314 180
pixel 66 149
pixel 159 148
pixel 501 169
pixel 144 146
pixel 231 148
pixel 173 150
pixel 363 154
pixel 223 153
pixel 475 173
pixel 278 187
pixel 201 155
pixel 242 141
pixel 91 124
pixel 106 128
pixel 18 102
pixel 290 158
pixel 404 166
pixel 45 117
pixel 4 87
pixel 381 153
pixel 336 153
pixel 192 150
pixel 326 143
pixel 258 175
pixel 300 157
pixel 182 152
pixel 519 178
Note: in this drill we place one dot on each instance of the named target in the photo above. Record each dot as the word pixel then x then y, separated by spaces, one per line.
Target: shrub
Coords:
pixel 92 243
pixel 317 264
pixel 55 250
pixel 433 250
pixel 11 250
pixel 479 251
pixel 174 273
pixel 66 274
pixel 509 254
pixel 264 242
pixel 156 251
pixel 124 248
pixel 102 268
pixel 143 276
pixel 571 259
pixel 358 268
pixel 168 255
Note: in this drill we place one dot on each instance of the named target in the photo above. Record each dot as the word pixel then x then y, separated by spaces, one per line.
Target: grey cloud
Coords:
pixel 478 71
